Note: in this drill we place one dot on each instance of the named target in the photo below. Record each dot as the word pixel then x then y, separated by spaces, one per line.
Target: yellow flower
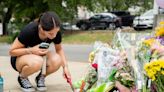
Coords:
pixel 162 72
pixel 155 63
pixel 160 29
pixel 147 66
pixel 160 32
pixel 153 68
pixel 91 56
pixel 161 23
pixel 151 74
pixel 153 78
pixel 162 64
pixel 149 42
pixel 158 68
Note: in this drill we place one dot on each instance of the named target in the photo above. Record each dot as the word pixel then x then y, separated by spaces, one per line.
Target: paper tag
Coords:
pixel 149 83
pixel 139 84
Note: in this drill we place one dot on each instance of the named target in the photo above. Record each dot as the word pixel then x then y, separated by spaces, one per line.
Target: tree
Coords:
pixel 148 4
pixel 6 12
pixel 22 11
pixel 27 10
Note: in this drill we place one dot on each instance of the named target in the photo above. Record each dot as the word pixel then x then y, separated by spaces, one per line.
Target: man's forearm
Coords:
pixel 63 58
pixel 21 51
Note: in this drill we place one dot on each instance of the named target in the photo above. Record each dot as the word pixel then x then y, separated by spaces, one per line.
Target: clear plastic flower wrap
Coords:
pixel 129 42
pixel 105 64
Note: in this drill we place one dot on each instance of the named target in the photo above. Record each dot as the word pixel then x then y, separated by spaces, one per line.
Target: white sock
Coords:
pixel 22 76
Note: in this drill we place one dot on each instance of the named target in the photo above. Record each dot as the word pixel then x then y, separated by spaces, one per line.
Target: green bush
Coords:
pixel 5 39
pixel 14 35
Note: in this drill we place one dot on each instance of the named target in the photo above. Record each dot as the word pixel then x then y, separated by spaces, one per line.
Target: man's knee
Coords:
pixel 32 61
pixel 35 63
pixel 55 60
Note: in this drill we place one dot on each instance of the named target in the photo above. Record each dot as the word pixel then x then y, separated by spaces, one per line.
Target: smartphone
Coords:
pixel 44 45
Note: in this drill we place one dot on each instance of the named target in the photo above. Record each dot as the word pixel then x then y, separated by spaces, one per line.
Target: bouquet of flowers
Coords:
pixel 124 74
pixel 87 81
pixel 155 68
pixel 129 43
pixel 155 71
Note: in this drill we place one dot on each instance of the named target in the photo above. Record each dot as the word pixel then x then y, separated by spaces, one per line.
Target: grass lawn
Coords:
pixel 5 39
pixel 80 37
pixel 88 37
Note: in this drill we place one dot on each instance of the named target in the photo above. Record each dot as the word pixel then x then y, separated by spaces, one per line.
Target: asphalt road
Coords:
pixel 73 52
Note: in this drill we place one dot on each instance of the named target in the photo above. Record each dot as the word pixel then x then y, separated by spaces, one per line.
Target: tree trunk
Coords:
pixel 4 32
pixel 6 20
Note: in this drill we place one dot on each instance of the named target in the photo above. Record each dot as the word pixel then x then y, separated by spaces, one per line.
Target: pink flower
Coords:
pixel 157 47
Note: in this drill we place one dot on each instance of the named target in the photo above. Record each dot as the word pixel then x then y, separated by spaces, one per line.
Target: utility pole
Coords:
pixel 155 8
pixel 155 13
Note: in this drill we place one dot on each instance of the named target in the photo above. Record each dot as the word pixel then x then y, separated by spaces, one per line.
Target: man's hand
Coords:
pixel 66 73
pixel 121 87
pixel 37 51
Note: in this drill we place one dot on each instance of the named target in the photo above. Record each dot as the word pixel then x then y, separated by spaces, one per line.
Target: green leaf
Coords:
pixel 111 76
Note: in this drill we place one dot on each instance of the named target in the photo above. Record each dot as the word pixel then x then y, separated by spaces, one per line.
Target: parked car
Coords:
pixel 145 20
pixel 100 21
pixel 67 26
pixel 126 17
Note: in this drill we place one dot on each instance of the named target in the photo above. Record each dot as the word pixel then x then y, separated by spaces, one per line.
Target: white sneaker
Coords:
pixel 40 81
pixel 25 84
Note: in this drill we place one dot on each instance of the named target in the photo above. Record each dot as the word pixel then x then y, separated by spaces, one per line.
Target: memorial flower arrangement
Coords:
pixel 131 62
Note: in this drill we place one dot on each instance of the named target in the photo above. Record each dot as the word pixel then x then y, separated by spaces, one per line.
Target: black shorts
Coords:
pixel 13 62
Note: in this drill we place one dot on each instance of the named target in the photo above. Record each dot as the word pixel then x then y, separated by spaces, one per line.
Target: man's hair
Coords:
pixel 49 20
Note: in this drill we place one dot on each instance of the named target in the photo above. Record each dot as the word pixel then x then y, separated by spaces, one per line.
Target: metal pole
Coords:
pixel 156 12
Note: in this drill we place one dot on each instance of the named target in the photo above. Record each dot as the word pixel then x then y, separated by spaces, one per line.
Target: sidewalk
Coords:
pixel 54 82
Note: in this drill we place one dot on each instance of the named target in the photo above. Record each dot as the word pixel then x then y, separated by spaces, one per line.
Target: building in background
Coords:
pixel 83 13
